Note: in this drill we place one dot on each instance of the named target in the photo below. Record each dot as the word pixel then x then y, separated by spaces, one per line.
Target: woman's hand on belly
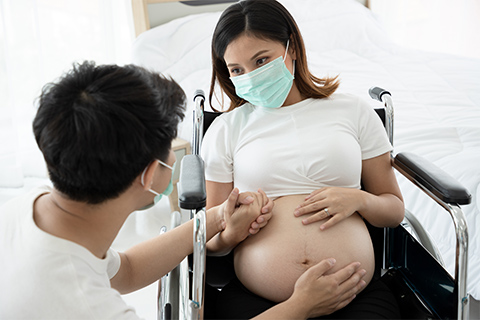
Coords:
pixel 334 203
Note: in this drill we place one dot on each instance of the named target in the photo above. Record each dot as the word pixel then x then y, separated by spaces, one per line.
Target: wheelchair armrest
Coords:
pixel 192 190
pixel 432 178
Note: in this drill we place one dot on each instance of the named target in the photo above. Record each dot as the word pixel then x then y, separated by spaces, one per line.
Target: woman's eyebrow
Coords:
pixel 255 56
pixel 259 53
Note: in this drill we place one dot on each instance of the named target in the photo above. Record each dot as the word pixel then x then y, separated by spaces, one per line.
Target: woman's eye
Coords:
pixel 261 61
pixel 235 72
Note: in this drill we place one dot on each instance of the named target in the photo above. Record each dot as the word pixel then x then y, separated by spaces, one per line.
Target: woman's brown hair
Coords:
pixel 265 19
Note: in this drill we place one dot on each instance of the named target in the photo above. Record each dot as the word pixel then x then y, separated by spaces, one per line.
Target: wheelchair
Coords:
pixel 406 259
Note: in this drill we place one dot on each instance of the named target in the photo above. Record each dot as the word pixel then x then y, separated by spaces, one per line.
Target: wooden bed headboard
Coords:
pixel 151 13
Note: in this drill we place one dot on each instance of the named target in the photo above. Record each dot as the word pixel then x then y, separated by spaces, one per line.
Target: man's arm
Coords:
pixel 148 261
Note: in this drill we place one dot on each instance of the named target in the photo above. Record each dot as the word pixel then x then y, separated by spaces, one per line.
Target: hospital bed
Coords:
pixel 437 96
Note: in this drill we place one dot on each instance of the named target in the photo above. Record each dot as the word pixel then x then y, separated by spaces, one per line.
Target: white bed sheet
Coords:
pixel 436 96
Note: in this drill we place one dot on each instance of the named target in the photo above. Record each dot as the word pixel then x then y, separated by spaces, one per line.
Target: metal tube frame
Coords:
pixel 199 261
pixel 457 215
pixel 190 302
pixel 461 250
pixel 199 224
pixel 197 126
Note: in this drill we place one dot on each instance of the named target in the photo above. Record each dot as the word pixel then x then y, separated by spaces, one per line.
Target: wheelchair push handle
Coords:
pixel 382 95
pixel 198 94
pixel 376 93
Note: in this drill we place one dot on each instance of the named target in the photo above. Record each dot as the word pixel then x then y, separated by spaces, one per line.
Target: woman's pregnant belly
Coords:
pixel 270 262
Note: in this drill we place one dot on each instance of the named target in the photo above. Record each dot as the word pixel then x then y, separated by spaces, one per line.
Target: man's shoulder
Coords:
pixel 29 196
pixel 20 205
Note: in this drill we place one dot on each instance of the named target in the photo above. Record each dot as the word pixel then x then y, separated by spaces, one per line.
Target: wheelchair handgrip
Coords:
pixel 434 179
pixel 191 187
pixel 198 94
pixel 376 93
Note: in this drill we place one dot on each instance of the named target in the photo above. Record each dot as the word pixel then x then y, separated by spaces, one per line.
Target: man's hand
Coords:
pixel 324 294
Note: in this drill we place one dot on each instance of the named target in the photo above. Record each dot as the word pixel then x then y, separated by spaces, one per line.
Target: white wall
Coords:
pixel 449 26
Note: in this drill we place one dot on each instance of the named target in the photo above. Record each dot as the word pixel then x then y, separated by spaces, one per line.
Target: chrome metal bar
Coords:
pixel 198 121
pixel 163 291
pixel 461 251
pixel 388 103
pixel 184 309
pixel 168 302
pixel 384 96
pixel 386 99
pixel 199 260
pixel 413 225
pixel 195 305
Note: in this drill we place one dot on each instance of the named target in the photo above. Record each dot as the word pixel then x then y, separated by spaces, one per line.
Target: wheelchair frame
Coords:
pixel 187 302
pixel 441 188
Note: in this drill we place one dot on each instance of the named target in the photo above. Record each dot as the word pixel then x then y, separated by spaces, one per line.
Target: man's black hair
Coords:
pixel 98 127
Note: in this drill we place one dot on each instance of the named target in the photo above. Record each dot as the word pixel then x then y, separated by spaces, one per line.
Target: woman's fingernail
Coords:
pixel 296 213
pixel 249 198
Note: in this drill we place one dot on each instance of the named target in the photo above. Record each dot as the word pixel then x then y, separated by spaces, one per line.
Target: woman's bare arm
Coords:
pixel 217 192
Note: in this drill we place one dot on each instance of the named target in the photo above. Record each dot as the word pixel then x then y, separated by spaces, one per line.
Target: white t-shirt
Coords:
pixel 46 277
pixel 295 149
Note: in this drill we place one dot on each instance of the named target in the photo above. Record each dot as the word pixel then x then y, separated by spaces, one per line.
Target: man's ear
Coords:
pixel 148 174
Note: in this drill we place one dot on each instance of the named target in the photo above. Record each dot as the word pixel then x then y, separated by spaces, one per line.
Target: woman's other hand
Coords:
pixel 332 203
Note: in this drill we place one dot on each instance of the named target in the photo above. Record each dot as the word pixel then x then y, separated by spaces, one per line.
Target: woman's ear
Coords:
pixel 292 49
pixel 146 179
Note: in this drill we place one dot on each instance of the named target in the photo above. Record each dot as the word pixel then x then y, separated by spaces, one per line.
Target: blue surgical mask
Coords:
pixel 168 190
pixel 267 86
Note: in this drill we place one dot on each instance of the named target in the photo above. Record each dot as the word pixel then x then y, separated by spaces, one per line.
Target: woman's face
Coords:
pixel 246 53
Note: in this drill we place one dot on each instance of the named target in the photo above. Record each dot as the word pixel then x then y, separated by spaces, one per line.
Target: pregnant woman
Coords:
pixel 288 133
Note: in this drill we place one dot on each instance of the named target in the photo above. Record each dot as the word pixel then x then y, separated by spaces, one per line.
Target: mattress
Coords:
pixel 436 96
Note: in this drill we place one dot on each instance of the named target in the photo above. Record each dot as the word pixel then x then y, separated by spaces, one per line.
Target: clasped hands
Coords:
pixel 245 214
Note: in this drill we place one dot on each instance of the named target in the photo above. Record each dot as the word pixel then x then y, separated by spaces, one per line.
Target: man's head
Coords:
pixel 98 127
